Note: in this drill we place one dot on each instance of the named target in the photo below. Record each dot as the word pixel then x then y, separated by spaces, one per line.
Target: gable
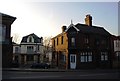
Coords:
pixel 73 27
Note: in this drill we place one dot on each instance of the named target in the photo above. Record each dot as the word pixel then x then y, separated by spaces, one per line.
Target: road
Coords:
pixel 83 74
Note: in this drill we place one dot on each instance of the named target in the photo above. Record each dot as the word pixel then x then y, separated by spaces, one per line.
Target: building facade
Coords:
pixel 115 43
pixel 29 51
pixel 6 39
pixel 82 46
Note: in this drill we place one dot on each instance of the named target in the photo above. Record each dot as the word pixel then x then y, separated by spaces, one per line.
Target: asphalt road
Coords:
pixel 91 74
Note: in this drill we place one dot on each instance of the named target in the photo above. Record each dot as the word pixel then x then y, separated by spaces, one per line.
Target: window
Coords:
pixel 63 57
pixel 82 57
pixel 73 41
pixel 54 43
pixel 30 39
pixel 62 40
pixel 38 48
pixel 57 41
pixel 117 43
pixel 104 56
pixel 2 32
pixel 73 59
pixel 29 49
pixel 117 56
pixel 86 57
pixel 16 49
pixel 90 56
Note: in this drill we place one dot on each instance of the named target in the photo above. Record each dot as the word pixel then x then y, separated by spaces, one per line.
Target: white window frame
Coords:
pixel 104 56
pixel 73 41
pixel 86 57
pixel 82 57
pixel 90 56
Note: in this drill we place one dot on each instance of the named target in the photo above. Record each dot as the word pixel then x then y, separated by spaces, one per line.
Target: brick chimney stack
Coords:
pixel 88 20
pixel 64 28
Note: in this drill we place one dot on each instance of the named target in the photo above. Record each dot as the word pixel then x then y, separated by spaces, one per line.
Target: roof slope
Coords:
pixel 92 29
pixel 36 38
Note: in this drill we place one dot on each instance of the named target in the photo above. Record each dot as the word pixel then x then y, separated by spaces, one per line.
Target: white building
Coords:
pixel 117 47
pixel 30 50
pixel 116 51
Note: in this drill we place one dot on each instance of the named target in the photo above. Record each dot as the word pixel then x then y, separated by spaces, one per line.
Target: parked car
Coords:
pixel 15 65
pixel 40 65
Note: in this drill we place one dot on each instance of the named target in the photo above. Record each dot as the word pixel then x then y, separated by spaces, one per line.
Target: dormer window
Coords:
pixel 30 39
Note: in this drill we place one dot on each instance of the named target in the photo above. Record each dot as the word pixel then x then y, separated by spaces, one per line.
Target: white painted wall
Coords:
pixel 14 46
pixel 116 45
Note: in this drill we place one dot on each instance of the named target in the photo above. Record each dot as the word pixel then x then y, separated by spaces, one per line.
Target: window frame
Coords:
pixel 104 56
pixel 62 39
pixel 86 57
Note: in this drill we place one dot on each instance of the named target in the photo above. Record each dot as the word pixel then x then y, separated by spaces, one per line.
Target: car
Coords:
pixel 40 65
pixel 15 65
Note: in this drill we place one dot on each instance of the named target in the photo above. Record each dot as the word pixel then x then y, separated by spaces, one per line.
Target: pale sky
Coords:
pixel 46 18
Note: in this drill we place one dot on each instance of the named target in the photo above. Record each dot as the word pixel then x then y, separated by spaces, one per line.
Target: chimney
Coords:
pixel 88 20
pixel 64 28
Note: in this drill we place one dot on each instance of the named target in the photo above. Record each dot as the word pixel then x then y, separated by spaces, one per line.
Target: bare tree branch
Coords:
pixel 16 38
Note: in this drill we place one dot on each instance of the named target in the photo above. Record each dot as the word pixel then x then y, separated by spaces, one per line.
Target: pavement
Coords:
pixel 58 70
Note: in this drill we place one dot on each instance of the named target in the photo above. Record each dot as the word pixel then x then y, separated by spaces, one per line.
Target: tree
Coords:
pixel 47 41
pixel 16 38
pixel 47 48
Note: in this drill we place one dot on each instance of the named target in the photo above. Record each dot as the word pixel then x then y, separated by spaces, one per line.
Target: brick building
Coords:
pixel 82 46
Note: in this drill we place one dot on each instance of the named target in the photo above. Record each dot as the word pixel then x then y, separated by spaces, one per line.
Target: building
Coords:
pixel 29 51
pixel 6 39
pixel 16 52
pixel 82 46
pixel 115 43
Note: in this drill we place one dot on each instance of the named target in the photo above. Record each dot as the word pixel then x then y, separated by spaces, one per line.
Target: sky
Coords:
pixel 46 18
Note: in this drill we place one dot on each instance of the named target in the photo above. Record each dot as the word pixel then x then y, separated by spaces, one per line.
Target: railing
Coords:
pixel 31 52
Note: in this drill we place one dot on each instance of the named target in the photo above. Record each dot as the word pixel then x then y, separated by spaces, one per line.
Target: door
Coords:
pixel 72 61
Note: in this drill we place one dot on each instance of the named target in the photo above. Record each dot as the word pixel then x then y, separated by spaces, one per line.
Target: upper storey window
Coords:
pixel 30 39
pixel 72 41
pixel 2 32
pixel 62 40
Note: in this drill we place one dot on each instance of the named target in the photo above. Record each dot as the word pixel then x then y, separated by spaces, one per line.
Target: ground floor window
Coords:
pixel 86 57
pixel 104 56
pixel 72 59
pixel 117 56
pixel 63 57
